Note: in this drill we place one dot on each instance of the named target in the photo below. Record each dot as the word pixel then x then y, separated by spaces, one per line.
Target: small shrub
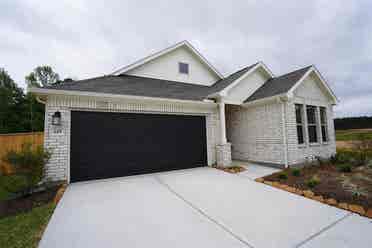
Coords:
pixel 28 163
pixel 283 175
pixel 296 172
pixel 344 168
pixel 356 193
pixel 313 181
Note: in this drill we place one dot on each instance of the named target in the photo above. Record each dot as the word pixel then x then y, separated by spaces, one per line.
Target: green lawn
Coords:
pixel 353 134
pixel 14 180
pixel 25 230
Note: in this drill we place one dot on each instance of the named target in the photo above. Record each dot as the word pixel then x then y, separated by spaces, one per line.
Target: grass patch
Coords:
pixel 6 181
pixel 25 230
pixel 283 175
pixel 353 134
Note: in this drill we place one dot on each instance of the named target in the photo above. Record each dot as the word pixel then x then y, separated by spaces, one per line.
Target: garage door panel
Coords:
pixel 107 145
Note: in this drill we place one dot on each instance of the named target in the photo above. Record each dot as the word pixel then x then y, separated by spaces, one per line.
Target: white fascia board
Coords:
pixel 236 82
pixel 321 79
pixel 46 92
pixel 165 51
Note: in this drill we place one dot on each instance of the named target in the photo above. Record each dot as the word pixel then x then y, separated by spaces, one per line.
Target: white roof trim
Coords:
pixel 321 79
pixel 46 92
pixel 233 84
pixel 165 51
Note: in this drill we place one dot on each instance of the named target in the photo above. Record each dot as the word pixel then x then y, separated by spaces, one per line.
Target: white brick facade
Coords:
pixel 57 139
pixel 309 93
pixel 255 133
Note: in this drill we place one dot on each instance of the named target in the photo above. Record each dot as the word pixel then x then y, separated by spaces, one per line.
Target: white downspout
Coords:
pixel 284 131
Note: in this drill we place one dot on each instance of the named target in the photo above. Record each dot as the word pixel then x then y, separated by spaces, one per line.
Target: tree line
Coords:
pixel 20 111
pixel 353 122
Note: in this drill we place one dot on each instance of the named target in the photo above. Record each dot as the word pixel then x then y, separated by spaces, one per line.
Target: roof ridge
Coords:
pixel 297 70
pixel 242 69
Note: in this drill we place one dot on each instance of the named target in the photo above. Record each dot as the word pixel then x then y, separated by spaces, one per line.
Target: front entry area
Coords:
pixel 105 145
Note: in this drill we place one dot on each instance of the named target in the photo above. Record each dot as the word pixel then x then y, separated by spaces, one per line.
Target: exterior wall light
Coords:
pixel 56 119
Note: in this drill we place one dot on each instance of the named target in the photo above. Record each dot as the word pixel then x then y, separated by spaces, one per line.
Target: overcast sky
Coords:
pixel 82 39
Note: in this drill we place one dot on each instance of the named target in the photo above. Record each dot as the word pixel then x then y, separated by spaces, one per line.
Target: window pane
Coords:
pixel 313 138
pixel 323 115
pixel 324 134
pixel 298 113
pixel 300 135
pixel 183 68
pixel 310 111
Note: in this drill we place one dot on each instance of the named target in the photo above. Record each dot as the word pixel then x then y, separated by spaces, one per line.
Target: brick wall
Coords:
pixel 255 133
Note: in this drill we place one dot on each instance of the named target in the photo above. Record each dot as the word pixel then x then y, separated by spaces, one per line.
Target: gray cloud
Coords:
pixel 88 38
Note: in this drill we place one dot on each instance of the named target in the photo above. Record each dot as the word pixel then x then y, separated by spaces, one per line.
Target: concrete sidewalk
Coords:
pixel 201 207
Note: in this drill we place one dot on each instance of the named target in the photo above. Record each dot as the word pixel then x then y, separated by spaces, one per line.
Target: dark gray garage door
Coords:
pixel 105 145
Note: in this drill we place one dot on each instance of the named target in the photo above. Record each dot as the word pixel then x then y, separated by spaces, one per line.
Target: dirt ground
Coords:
pixel 354 187
pixel 24 204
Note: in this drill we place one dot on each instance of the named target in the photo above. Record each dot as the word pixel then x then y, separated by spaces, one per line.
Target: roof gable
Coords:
pixel 278 85
pixel 288 83
pixel 164 65
pixel 222 87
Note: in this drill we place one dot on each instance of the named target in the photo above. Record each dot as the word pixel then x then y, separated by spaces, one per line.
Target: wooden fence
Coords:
pixel 14 142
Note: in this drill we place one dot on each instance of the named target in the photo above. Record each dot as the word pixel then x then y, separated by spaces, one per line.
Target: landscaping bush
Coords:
pixel 344 168
pixel 296 172
pixel 313 181
pixel 283 175
pixel 28 163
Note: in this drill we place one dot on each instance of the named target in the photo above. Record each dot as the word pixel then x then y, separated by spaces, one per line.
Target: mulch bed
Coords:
pixel 231 169
pixel 24 204
pixel 354 187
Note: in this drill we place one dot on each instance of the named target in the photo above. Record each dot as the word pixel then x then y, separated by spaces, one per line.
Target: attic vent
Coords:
pixel 183 68
pixel 102 105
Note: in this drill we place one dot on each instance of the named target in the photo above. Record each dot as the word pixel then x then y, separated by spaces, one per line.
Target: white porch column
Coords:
pixel 221 106
pixel 223 149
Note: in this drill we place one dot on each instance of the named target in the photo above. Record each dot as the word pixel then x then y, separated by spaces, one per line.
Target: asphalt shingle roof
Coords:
pixel 150 87
pixel 278 85
pixel 223 83
pixel 137 86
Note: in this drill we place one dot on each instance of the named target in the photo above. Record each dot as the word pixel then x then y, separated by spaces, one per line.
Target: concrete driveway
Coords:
pixel 200 207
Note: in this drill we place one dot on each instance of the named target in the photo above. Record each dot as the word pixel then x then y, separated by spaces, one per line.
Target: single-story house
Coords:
pixel 174 110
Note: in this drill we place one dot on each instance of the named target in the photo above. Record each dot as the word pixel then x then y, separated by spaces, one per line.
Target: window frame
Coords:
pixel 183 68
pixel 300 124
pixel 324 124
pixel 314 124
